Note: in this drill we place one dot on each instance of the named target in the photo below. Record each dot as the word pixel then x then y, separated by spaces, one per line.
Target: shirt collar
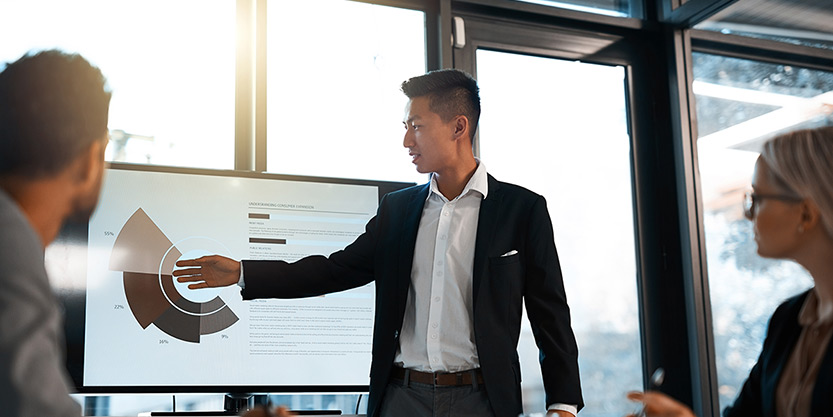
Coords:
pixel 809 313
pixel 479 182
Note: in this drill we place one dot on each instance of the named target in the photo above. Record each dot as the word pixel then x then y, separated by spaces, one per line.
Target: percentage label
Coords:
pixel 223 336
pixel 109 233
pixel 163 342
pixel 118 307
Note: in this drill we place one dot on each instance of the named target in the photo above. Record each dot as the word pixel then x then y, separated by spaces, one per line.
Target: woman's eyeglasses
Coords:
pixel 751 200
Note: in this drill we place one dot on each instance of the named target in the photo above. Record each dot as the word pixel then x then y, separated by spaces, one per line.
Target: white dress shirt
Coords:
pixel 437 331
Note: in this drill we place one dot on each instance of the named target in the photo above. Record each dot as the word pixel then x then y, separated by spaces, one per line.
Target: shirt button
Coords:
pixel 442 237
pixel 435 325
pixel 439 263
pixel 434 336
pixel 437 299
pixel 445 213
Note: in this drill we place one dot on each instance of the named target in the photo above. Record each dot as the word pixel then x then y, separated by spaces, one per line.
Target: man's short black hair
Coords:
pixel 53 106
pixel 450 93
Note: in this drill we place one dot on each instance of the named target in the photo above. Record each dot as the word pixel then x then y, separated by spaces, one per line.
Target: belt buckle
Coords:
pixel 435 376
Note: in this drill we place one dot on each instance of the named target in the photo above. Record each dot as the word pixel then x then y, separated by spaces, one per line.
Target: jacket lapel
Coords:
pixel 486 224
pixel 413 213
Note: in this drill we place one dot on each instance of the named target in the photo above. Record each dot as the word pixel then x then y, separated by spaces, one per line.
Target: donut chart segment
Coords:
pixel 140 245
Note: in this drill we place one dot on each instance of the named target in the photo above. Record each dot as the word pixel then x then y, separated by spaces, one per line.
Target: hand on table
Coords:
pixel 658 404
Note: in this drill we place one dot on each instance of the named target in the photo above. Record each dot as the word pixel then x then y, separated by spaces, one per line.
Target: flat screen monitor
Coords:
pixel 132 328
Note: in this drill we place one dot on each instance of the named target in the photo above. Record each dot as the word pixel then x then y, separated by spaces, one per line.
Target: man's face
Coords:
pixel 429 140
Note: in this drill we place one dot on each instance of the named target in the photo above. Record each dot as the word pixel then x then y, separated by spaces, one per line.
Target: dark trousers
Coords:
pixel 412 399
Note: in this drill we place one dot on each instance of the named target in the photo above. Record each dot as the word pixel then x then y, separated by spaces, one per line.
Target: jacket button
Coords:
pixel 396 334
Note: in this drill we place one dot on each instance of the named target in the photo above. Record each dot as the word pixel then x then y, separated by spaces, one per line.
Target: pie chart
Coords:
pixel 146 257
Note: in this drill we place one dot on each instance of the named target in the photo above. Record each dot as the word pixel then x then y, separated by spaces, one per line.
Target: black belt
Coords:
pixel 451 379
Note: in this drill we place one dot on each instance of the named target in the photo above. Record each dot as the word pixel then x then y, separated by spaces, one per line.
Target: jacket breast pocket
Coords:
pixel 504 288
pixel 506 268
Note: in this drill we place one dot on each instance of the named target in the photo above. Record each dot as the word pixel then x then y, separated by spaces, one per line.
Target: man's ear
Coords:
pixel 461 127
pixel 90 163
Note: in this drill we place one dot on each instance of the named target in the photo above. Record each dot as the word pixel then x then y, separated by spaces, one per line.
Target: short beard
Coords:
pixel 83 209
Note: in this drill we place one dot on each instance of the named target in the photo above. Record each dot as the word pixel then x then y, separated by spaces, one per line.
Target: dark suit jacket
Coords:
pixel 511 218
pixel 757 398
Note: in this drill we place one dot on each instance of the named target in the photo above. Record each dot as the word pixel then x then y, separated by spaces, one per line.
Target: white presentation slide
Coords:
pixel 145 329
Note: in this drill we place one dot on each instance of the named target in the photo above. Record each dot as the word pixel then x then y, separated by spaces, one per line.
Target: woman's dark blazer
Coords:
pixel 757 397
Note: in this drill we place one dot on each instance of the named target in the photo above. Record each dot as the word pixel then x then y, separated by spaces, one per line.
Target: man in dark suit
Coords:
pixel 453 260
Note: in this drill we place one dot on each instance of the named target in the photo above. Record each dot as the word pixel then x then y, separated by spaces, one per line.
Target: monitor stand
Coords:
pixel 237 403
pixel 234 403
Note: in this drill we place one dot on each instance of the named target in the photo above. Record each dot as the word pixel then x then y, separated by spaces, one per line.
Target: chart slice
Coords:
pixel 140 246
pixel 212 306
pixel 218 321
pixel 169 290
pixel 147 257
pixel 179 325
pixel 144 298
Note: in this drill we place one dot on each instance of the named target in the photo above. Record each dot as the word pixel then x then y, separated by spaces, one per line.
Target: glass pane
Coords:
pixel 334 105
pixel 170 65
pixel 796 22
pixel 578 157
pixel 617 8
pixel 740 104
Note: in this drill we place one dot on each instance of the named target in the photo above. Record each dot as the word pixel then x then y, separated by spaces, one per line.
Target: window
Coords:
pixel 170 65
pixel 540 128
pixel 740 104
pixel 804 23
pixel 334 70
pixel 617 8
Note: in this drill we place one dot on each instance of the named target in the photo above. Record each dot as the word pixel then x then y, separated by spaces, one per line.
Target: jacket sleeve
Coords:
pixel 314 275
pixel 548 312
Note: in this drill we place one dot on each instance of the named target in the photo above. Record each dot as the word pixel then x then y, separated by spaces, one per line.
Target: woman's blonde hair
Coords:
pixel 803 162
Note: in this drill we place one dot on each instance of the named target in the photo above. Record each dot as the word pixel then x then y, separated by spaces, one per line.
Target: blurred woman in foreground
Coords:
pixel 791 205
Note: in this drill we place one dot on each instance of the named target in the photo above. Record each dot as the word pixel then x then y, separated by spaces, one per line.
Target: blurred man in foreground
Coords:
pixel 53 131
